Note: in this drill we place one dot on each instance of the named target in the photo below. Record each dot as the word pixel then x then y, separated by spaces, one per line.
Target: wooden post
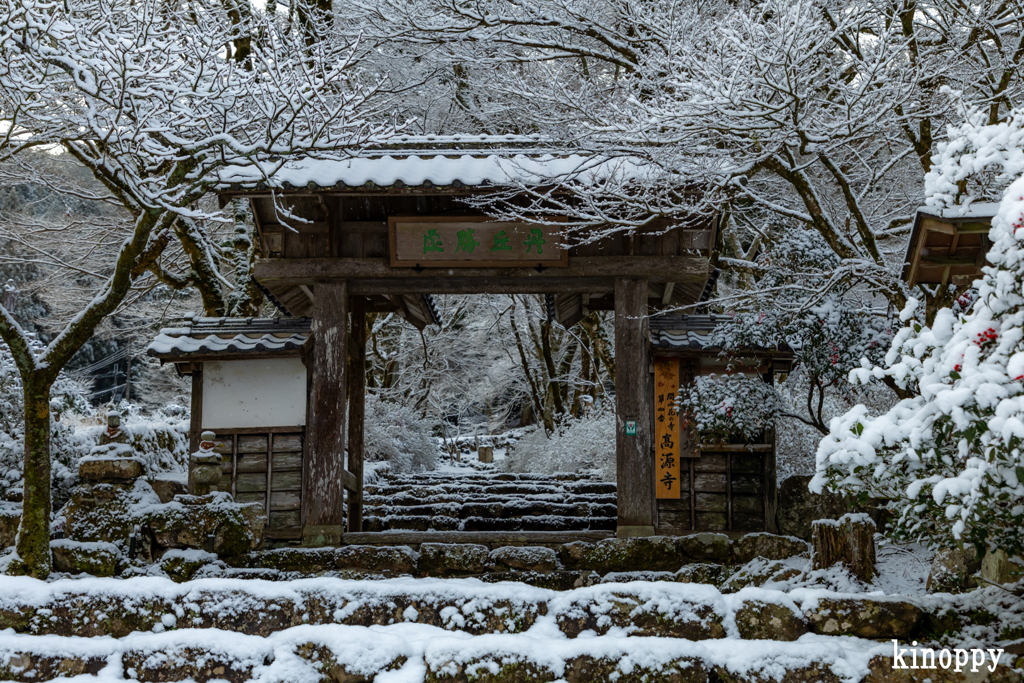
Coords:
pixel 850 540
pixel 633 456
pixel 356 409
pixel 325 429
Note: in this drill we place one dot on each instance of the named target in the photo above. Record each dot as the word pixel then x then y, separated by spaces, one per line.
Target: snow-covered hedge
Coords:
pixel 580 444
pixel 395 434
pixel 951 457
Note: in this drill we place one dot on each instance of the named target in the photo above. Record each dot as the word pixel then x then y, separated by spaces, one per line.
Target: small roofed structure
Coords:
pixel 948 246
pixel 249 387
pixel 704 485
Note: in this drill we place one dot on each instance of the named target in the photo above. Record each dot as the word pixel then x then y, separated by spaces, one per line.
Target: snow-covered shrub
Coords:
pixel 395 434
pixel 725 406
pixel 577 444
pixel 951 456
pixel 67 444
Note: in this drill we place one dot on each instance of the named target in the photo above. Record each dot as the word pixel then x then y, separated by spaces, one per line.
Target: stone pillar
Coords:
pixel 634 460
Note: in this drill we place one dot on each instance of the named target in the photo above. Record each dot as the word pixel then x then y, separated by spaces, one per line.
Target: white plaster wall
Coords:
pixel 254 393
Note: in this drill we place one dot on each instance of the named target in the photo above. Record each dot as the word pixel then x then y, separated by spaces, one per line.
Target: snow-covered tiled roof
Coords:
pixel 985 210
pixel 682 331
pixel 446 168
pixel 229 337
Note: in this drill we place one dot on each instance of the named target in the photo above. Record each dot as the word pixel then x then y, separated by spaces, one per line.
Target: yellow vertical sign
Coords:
pixel 666 427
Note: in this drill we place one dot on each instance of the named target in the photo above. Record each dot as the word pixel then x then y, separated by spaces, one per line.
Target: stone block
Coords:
pixel 191 521
pixel 758 620
pixel 391 560
pixel 525 558
pixel 166 488
pixel 692 615
pixel 92 469
pixel 38 666
pixel 706 547
pixel 442 559
pixel 702 572
pixel 768 546
pixel 107 512
pixel 653 553
pixel 182 565
pixel 865 618
pixel 75 557
pixel 996 568
pixel 798 507
pixel 952 570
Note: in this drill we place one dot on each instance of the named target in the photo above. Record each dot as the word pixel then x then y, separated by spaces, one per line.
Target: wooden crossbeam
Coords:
pixel 367 276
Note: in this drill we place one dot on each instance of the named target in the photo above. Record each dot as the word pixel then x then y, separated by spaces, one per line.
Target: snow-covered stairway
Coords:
pixel 487 501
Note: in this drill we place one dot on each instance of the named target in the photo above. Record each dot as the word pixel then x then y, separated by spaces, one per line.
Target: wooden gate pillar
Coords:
pixel 634 461
pixel 322 497
pixel 356 410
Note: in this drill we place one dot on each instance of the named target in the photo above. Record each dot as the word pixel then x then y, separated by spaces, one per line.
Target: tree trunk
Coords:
pixel 33 545
pixel 850 540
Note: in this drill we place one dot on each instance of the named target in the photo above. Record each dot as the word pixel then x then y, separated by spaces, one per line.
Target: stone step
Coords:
pixel 493 510
pixel 473 523
pixel 497 488
pixel 405 498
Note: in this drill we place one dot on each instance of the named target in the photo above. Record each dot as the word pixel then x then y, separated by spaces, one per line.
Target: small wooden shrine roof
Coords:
pixel 948 246
pixel 691 335
pixel 224 338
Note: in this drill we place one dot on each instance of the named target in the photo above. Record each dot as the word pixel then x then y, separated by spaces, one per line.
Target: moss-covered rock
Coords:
pixel 556 580
pixel 199 664
pixel 952 570
pixel 812 673
pixel 655 553
pixel 326 662
pixel 108 512
pixel 703 572
pixel 865 618
pixel 113 468
pixel 759 620
pixel 528 558
pixel 706 547
pixel 182 565
pixel 192 521
pixel 768 546
pixel 587 669
pixel 996 568
pixel 881 670
pixel 758 572
pixel 75 557
pixel 798 507
pixel 672 615
pixel 389 560
pixel 495 668
pixel 299 560
pixel 168 485
pixel 35 666
pixel 445 559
